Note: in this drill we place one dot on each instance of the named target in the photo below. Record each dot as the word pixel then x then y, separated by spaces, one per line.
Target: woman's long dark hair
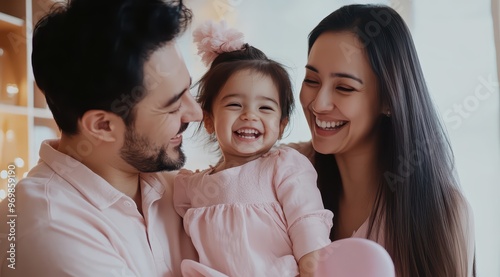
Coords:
pixel 418 198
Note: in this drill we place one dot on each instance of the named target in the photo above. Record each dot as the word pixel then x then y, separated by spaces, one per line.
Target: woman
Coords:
pixel 384 164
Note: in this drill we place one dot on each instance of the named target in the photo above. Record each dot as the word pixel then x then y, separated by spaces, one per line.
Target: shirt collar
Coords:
pixel 97 190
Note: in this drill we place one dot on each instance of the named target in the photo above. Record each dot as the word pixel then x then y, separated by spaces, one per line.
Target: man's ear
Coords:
pixel 208 123
pixel 101 125
pixel 283 124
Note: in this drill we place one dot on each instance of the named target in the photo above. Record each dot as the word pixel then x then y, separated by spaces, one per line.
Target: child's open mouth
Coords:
pixel 248 133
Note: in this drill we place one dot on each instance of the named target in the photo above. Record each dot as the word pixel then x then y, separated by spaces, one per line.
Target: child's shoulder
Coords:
pixel 286 160
pixel 284 152
pixel 186 176
pixel 188 172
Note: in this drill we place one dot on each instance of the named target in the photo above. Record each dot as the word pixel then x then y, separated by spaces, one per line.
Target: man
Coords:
pixel 118 88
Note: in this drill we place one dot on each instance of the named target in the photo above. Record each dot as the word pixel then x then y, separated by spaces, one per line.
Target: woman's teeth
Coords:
pixel 329 124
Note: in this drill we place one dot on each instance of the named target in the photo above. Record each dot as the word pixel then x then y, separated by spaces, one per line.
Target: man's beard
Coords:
pixel 145 157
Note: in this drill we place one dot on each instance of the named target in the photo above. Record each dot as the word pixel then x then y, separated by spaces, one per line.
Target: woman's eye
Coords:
pixel 346 89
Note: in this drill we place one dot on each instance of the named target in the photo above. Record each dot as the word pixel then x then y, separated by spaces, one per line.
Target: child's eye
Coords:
pixel 267 108
pixel 233 105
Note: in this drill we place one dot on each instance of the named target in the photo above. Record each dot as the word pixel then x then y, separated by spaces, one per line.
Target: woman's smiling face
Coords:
pixel 339 94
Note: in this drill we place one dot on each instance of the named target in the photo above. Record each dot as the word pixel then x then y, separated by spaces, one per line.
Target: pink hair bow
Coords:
pixel 214 38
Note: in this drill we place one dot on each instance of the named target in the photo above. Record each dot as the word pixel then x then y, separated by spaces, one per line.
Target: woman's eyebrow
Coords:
pixel 340 74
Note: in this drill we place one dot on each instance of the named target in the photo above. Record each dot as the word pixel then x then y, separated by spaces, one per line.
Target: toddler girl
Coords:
pixel 258 212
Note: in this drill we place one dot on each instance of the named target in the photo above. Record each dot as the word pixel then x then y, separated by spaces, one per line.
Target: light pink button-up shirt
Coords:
pixel 68 221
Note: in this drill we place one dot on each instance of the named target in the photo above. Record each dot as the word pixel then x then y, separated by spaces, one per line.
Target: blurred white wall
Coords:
pixel 455 44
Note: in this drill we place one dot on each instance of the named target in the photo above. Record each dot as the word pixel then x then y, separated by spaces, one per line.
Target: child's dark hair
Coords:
pixel 248 58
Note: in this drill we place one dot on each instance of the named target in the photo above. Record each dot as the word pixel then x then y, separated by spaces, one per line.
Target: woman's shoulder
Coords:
pixel 466 223
pixel 463 206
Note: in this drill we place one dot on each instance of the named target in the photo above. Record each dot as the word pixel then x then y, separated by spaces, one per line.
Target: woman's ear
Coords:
pixel 386 110
pixel 208 123
pixel 101 125
pixel 283 124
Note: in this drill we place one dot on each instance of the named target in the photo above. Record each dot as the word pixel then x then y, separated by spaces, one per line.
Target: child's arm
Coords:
pixel 309 223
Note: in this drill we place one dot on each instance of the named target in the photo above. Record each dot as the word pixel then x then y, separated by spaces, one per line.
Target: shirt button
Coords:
pixel 127 204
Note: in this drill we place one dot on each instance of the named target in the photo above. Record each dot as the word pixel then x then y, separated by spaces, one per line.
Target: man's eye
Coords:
pixel 176 111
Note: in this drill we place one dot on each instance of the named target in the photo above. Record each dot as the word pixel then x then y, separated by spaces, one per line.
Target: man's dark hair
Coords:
pixel 90 54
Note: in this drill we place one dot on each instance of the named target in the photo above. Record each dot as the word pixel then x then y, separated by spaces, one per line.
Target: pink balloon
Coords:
pixel 354 257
